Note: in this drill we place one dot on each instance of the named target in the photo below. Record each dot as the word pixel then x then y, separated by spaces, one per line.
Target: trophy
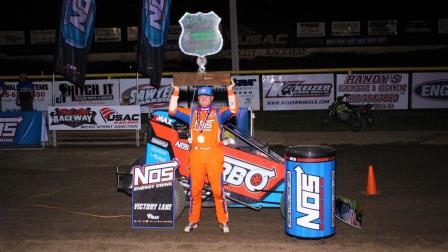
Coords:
pixel 200 37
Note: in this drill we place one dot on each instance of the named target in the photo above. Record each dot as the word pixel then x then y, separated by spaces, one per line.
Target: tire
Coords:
pixel 356 123
pixel 179 199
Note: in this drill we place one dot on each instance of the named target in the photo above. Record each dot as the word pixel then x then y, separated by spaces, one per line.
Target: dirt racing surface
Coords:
pixel 65 199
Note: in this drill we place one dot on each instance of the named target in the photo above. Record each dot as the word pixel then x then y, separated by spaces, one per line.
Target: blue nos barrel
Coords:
pixel 310 184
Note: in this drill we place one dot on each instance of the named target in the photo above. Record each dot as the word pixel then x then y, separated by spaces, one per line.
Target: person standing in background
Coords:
pixel 25 93
pixel 2 93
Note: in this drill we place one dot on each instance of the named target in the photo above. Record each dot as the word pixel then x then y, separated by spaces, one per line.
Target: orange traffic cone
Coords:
pixel 371 184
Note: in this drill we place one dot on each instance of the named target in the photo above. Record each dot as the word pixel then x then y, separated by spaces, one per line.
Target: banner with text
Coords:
pixel 384 91
pixel 93 93
pixel 42 98
pixel 247 90
pixel 297 92
pixel 429 90
pixel 94 118
pixel 153 195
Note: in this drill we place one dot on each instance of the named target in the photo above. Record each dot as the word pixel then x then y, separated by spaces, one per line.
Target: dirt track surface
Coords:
pixel 65 199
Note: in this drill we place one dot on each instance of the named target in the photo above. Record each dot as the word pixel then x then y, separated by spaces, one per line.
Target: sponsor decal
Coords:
pixel 433 90
pixel 159 142
pixel 182 145
pixel 147 95
pixel 110 115
pixel 299 89
pixel 309 199
pixel 8 128
pixel 154 176
pixel 162 120
pixel 73 117
pixel 238 172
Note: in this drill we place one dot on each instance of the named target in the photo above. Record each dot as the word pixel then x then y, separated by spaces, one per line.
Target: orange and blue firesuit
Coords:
pixel 206 153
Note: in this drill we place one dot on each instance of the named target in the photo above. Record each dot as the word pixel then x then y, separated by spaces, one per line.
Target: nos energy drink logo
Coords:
pixel 309 200
pixel 78 22
pixel 155 21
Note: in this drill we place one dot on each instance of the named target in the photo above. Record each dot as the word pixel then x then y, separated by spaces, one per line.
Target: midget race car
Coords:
pixel 253 173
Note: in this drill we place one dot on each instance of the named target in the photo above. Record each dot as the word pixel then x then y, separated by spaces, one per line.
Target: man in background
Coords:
pixel 25 93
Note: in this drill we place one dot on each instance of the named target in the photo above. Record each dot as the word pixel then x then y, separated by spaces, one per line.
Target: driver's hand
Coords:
pixel 230 87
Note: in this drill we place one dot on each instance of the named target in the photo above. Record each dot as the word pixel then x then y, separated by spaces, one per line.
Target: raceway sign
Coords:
pixel 297 92
pixel 384 91
pixel 94 118
pixel 153 195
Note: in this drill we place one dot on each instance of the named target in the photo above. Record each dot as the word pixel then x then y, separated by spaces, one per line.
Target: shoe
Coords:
pixel 190 227
pixel 225 228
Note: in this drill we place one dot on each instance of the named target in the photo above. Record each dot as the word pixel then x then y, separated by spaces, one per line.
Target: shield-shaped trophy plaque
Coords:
pixel 201 37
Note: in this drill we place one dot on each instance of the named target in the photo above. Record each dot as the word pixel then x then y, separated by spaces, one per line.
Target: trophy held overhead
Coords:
pixel 200 37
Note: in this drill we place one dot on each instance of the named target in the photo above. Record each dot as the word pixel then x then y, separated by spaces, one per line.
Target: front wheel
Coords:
pixel 356 123
pixel 179 199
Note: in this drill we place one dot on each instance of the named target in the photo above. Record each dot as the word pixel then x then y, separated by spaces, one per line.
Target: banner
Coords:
pixel 94 118
pixel 310 29
pixel 153 195
pixel 384 91
pixel 74 39
pixel 22 128
pixel 429 90
pixel 93 93
pixel 147 96
pixel 153 31
pixel 297 92
pixel 247 90
pixel 42 98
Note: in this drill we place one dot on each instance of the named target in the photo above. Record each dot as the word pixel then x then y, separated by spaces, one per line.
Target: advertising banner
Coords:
pixel 94 118
pixel 297 92
pixel 93 93
pixel 112 34
pixel 382 27
pixel 12 37
pixel 341 28
pixel 384 91
pixel 22 128
pixel 74 39
pixel 429 90
pixel 310 29
pixel 155 19
pixel 148 97
pixel 153 195
pixel 42 98
pixel 247 90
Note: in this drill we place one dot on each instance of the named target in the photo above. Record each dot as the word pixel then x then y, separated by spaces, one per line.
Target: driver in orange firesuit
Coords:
pixel 206 154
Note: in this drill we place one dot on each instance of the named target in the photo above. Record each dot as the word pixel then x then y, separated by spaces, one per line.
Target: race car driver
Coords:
pixel 206 154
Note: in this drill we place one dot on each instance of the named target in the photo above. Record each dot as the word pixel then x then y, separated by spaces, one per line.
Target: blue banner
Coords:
pixel 153 35
pixel 22 128
pixel 75 35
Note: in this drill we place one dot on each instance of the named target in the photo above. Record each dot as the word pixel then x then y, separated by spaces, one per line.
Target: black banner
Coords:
pixel 75 35
pixel 153 195
pixel 153 30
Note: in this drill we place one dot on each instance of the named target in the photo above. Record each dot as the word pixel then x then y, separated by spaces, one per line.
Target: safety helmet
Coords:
pixel 205 91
